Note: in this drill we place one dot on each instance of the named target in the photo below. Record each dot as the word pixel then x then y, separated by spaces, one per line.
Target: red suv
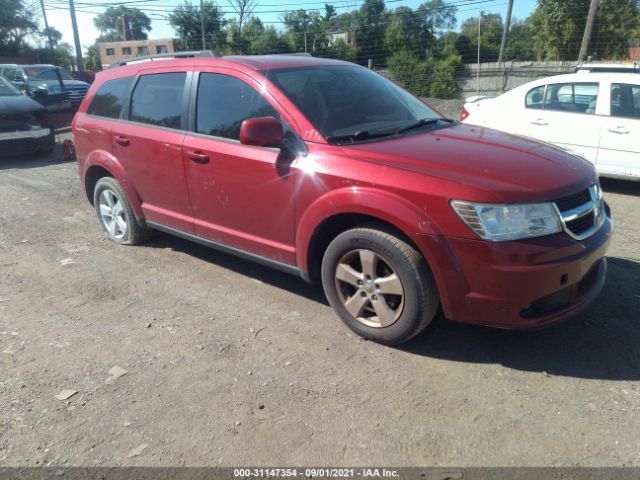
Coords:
pixel 327 170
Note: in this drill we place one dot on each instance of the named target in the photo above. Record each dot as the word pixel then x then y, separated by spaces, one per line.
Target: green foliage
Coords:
pixel 16 23
pixel 92 58
pixel 410 72
pixel 185 19
pixel 373 18
pixel 491 27
pixel 110 24
pixel 443 77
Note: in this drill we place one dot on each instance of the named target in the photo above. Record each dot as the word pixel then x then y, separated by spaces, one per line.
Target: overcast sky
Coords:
pixel 156 9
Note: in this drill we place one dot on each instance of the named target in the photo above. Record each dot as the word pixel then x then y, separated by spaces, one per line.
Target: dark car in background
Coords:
pixel 54 79
pixel 24 126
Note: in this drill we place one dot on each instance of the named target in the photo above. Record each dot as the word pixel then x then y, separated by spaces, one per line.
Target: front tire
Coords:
pixel 115 214
pixel 380 286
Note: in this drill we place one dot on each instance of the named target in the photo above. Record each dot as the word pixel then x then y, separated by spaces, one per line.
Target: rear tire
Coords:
pixel 380 286
pixel 115 214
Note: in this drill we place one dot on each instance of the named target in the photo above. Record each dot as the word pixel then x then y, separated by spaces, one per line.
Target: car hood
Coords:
pixel 75 83
pixel 18 104
pixel 511 167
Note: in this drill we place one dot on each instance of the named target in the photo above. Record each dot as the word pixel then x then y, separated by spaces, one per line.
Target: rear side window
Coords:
pixel 625 100
pixel 157 99
pixel 571 97
pixel 224 102
pixel 534 97
pixel 110 98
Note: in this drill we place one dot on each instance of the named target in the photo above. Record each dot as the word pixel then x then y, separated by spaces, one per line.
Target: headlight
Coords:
pixel 508 222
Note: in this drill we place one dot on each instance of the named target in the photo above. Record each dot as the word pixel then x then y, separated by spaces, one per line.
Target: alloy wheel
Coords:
pixel 369 288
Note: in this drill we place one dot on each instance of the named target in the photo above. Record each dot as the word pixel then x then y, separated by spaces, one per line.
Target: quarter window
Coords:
pixel 157 99
pixel 224 102
pixel 534 97
pixel 625 100
pixel 110 98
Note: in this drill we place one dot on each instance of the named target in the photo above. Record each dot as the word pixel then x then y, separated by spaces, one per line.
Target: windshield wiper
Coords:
pixel 359 135
pixel 421 123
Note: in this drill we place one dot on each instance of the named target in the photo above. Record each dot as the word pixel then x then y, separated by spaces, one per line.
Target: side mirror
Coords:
pixel 262 132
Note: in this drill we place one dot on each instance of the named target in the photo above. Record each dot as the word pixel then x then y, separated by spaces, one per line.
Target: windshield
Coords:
pixel 7 89
pixel 351 102
pixel 47 73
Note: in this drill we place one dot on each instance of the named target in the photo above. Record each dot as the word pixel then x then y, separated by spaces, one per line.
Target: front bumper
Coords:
pixel 523 284
pixel 27 141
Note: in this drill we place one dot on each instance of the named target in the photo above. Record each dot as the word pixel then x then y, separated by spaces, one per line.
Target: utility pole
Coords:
pixel 587 30
pixel 46 24
pixel 478 72
pixel 76 37
pixel 125 28
pixel 505 32
pixel 204 42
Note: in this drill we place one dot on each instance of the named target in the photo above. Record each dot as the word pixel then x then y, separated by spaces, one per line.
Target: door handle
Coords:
pixel 540 121
pixel 122 141
pixel 621 129
pixel 197 156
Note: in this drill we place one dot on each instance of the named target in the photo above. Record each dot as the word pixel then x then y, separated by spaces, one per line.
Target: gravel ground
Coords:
pixel 229 363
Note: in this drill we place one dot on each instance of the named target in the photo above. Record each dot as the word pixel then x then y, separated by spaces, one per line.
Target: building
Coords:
pixel 634 49
pixel 114 52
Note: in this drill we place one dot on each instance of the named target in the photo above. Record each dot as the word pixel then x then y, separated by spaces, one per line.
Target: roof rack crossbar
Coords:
pixel 151 58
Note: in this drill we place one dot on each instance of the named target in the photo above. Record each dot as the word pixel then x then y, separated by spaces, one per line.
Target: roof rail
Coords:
pixel 151 58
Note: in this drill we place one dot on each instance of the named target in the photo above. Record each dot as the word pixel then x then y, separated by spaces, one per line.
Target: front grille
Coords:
pixel 582 212
pixel 573 201
pixel 76 94
pixel 581 224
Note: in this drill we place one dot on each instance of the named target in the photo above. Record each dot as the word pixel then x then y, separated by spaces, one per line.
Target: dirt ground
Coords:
pixel 230 363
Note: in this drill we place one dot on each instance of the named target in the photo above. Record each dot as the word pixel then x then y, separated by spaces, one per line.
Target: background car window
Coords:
pixel 157 99
pixel 572 97
pixel 224 102
pixel 534 97
pixel 625 100
pixel 9 73
pixel 110 98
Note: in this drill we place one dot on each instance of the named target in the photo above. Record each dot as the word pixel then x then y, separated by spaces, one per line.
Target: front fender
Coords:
pixel 384 205
pixel 103 159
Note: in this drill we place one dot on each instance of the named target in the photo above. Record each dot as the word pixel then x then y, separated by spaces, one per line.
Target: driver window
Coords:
pixel 224 102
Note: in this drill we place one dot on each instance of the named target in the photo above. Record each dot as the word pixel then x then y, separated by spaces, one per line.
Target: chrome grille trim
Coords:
pixel 594 206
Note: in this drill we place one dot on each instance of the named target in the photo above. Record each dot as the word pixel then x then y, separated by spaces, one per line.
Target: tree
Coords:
pixel 615 21
pixel 490 37
pixel 269 41
pixel 92 61
pixel 51 33
pixel 244 9
pixel 16 23
pixel 306 31
pixel 371 32
pixel 434 17
pixel 110 24
pixel 185 20
pixel 404 32
pixel 519 44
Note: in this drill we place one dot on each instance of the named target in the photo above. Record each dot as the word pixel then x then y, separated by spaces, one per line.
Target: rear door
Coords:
pixel 242 195
pixel 620 136
pixel 567 116
pixel 148 142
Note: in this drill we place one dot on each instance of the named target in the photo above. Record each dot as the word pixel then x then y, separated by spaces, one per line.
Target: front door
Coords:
pixel 241 195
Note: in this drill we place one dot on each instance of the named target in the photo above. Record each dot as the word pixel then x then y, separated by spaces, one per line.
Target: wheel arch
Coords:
pixel 103 164
pixel 339 211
